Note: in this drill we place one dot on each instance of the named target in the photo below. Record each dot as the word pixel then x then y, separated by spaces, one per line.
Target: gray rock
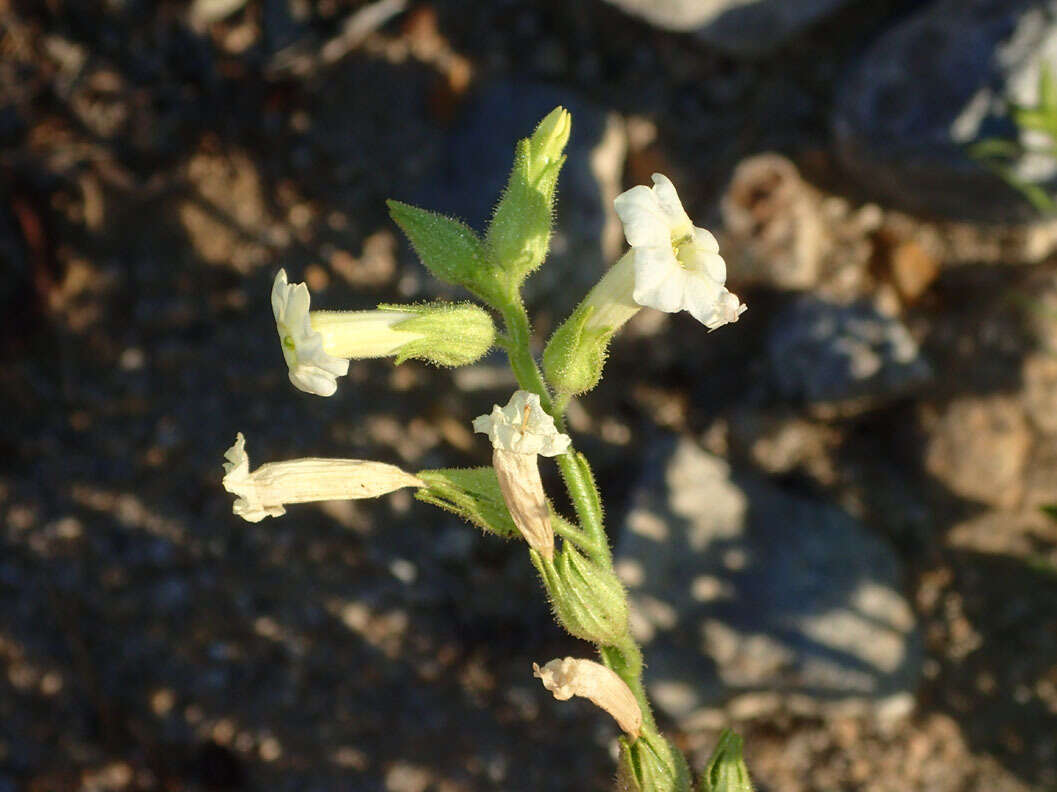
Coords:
pixel 979 448
pixel 738 27
pixel 749 599
pixel 936 84
pixel 847 355
pixel 478 155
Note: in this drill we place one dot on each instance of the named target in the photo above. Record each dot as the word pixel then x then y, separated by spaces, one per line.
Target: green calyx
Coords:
pixel 471 493
pixel 651 764
pixel 519 234
pixel 576 353
pixel 449 334
pixel 588 599
pixel 726 770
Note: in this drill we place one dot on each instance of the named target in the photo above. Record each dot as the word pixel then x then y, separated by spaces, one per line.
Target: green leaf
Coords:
pixel 448 248
pixel 1050 510
pixel 471 493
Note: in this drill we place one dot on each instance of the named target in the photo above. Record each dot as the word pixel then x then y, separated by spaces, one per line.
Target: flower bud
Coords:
pixel 588 599
pixel 726 770
pixel 651 764
pixel 265 491
pixel 573 677
pixel 519 234
pixel 576 352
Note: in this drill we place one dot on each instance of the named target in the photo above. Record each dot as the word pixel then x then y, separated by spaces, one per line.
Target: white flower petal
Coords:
pixel 679 224
pixel 311 369
pixel 703 238
pixel 728 309
pixel 701 297
pixel 653 266
pixel 658 279
pixel 522 426
pixel 645 222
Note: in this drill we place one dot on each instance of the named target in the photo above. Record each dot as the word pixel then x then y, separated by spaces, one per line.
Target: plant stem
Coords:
pixel 519 352
pixel 624 658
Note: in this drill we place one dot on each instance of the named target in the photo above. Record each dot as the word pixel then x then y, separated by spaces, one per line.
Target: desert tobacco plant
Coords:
pixel 671 265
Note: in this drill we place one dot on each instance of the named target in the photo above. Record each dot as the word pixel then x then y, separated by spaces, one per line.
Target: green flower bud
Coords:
pixel 651 764
pixel 576 352
pixel 471 493
pixel 450 250
pixel 519 234
pixel 448 334
pixel 588 599
pixel 726 770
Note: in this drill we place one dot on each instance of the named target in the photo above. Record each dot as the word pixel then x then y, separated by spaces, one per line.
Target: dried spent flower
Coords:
pixel 265 491
pixel 519 432
pixel 677 265
pixel 575 677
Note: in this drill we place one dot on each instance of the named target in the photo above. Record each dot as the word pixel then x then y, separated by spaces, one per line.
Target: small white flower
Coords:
pixel 677 265
pixel 264 492
pixel 311 369
pixel 522 427
pixel 574 677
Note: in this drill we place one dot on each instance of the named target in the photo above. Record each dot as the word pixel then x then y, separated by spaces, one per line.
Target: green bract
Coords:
pixel 520 231
pixel 471 493
pixel 450 334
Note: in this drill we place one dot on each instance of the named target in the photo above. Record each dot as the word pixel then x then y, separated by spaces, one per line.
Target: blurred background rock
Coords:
pixel 828 515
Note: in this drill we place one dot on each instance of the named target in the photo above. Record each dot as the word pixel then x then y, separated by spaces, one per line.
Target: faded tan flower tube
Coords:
pixel 265 491
pixel 574 677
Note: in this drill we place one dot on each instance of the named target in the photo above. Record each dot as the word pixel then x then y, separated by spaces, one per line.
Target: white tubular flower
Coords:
pixel 677 265
pixel 311 368
pixel 522 427
pixel 573 677
pixel 519 433
pixel 317 345
pixel 264 492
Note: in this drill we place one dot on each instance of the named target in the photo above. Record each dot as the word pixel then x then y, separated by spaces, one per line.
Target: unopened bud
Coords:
pixel 574 677
pixel 265 491
pixel 726 770
pixel 519 234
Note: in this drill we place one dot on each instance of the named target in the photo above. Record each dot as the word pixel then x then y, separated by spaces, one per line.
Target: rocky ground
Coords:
pixel 828 515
